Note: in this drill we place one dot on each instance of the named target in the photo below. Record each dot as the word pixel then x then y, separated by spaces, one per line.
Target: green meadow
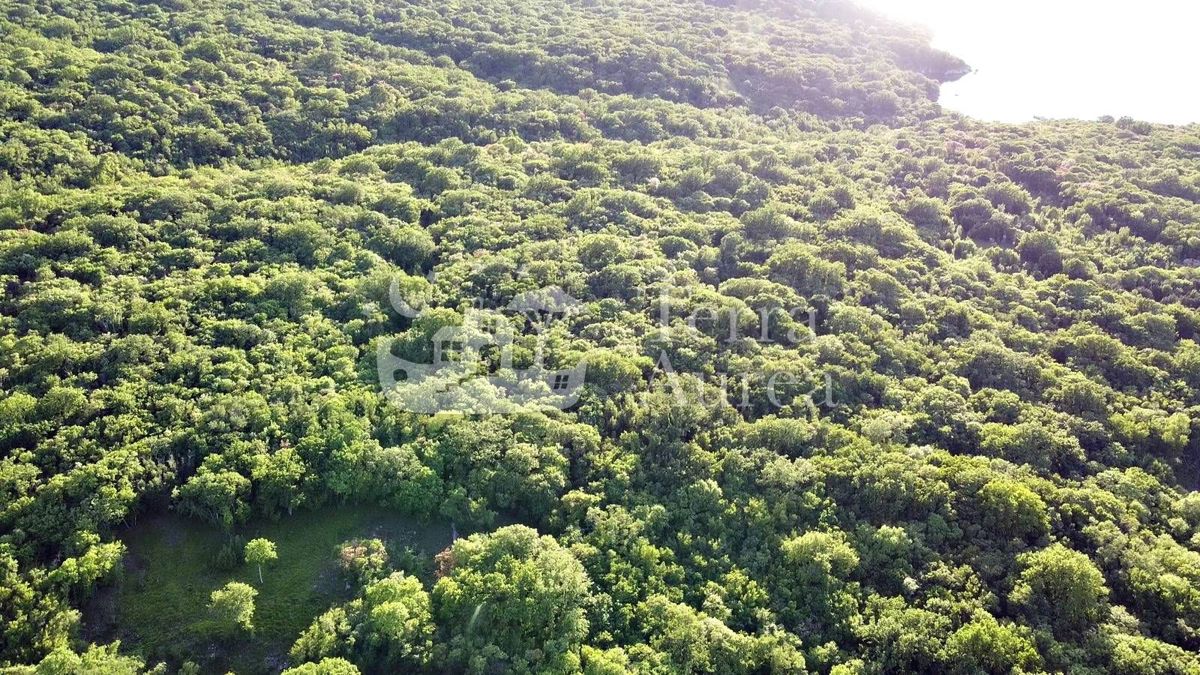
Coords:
pixel 159 606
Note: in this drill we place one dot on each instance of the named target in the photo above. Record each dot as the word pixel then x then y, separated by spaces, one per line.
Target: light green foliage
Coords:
pixel 1163 579
pixel 260 552
pixel 1010 509
pixel 389 628
pixel 232 606
pixel 94 659
pixel 1062 588
pixel 813 581
pixel 513 596
pixel 1136 655
pixel 701 644
pixel 985 645
pixel 331 666
pixel 399 626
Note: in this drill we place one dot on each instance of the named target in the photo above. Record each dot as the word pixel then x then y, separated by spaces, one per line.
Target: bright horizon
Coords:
pixel 1065 58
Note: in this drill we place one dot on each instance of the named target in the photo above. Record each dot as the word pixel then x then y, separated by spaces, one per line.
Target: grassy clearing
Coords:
pixel 159 608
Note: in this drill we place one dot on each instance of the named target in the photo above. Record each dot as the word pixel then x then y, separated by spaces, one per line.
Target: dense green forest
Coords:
pixel 963 429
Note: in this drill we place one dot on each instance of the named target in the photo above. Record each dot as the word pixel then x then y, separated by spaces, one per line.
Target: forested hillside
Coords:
pixel 960 430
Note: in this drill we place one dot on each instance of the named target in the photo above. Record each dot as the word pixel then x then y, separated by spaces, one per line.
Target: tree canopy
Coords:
pixel 870 386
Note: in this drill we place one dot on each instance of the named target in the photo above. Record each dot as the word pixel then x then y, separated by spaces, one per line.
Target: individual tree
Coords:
pixel 95 659
pixel 330 666
pixel 1139 655
pixel 984 645
pixel 694 642
pixel 1162 579
pixel 278 481
pixel 363 560
pixel 1039 250
pixel 902 638
pixel 329 635
pixel 232 607
pixel 1011 509
pixel 1062 588
pixel 398 627
pixel 513 596
pixel 217 497
pixel 811 582
pixel 260 552
pixel 388 629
